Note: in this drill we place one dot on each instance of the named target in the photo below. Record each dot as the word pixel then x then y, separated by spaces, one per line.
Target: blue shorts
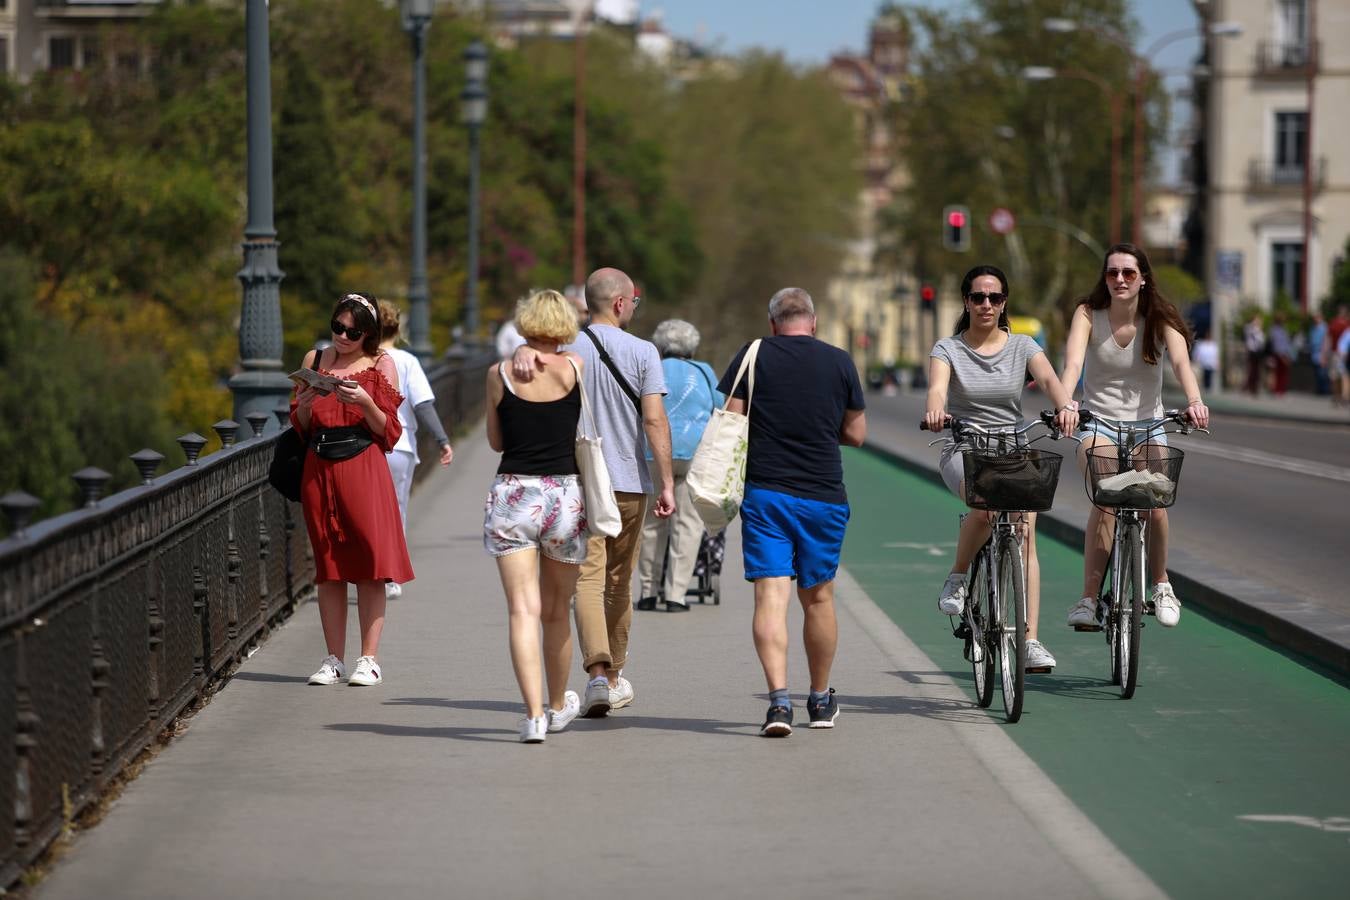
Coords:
pixel 1107 432
pixel 787 536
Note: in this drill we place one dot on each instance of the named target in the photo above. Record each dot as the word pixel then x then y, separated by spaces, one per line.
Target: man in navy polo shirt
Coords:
pixel 807 401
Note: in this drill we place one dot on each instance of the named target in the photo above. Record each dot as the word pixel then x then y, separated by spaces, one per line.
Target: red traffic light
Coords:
pixel 927 294
pixel 956 218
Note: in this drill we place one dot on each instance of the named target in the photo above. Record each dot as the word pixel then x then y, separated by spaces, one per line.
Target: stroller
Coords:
pixel 707 580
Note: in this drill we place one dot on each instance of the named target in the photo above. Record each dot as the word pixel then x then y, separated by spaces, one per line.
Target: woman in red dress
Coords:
pixel 351 511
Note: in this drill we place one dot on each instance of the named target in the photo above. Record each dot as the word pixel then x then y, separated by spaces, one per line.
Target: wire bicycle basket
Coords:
pixel 1020 480
pixel 1146 479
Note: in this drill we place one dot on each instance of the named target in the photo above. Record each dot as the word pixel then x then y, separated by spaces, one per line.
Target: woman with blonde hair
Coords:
pixel 534 520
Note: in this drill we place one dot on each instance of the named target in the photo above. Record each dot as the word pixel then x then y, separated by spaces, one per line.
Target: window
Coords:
pixel 129 63
pixel 61 53
pixel 1286 270
pixel 1291 32
pixel 89 55
pixel 4 51
pixel 1291 143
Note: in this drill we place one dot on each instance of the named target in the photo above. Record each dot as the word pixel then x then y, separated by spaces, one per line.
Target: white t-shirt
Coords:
pixel 413 385
pixel 508 339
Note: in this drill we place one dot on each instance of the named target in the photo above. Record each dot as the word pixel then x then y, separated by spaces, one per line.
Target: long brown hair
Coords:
pixel 1156 309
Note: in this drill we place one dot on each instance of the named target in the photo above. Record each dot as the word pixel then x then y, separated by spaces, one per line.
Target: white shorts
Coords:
pixel 536 512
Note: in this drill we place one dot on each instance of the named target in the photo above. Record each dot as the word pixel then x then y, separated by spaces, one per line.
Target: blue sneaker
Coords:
pixel 823 712
pixel 778 723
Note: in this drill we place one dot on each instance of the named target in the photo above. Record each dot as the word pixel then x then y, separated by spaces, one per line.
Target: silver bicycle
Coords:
pixel 1006 476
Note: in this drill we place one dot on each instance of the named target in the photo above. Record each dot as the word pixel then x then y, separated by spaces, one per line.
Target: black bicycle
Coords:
pixel 1126 479
pixel 1006 476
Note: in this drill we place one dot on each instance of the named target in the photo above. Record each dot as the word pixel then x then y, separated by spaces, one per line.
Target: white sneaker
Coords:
pixel 331 671
pixel 558 719
pixel 621 694
pixel 1166 606
pixel 1037 656
pixel 954 592
pixel 366 673
pixel 1084 612
pixel 393 589
pixel 533 731
pixel 596 704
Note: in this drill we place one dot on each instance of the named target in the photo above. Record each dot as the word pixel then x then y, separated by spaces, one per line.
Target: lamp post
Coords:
pixel 259 386
pixel 1141 73
pixel 474 97
pixel 1044 73
pixel 416 15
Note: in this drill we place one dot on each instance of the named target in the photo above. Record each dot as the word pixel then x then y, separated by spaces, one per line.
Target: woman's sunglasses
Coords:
pixel 994 297
pixel 1128 274
pixel 353 334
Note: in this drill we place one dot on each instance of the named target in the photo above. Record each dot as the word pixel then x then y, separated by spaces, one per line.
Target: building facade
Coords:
pixel 70 35
pixel 1275 121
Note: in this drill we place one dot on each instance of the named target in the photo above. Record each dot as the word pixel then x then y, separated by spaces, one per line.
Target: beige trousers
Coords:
pixel 682 532
pixel 604 607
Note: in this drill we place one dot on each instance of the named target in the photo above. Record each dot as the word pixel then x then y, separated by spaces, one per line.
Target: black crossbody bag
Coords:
pixel 614 370
pixel 288 457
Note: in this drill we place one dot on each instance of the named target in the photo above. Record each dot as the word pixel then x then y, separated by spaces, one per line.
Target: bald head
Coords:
pixel 603 286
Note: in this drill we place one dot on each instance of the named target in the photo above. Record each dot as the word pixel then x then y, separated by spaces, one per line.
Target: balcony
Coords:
pixel 1265 175
pixel 1287 59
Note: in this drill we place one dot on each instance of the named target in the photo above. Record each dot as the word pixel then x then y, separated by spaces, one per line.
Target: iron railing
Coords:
pixel 1269 175
pixel 115 617
pixel 1287 59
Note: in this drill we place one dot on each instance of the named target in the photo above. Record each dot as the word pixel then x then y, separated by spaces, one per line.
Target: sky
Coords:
pixel 809 31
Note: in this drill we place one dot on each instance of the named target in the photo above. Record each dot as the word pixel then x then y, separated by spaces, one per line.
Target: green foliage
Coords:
pixel 974 131
pixel 1340 285
pixel 1178 285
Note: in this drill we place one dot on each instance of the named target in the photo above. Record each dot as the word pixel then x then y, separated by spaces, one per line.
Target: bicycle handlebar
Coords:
pixel 960 426
pixel 1176 416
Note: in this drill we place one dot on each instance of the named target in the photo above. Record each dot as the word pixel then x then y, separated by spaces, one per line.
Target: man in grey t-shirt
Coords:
pixel 630 416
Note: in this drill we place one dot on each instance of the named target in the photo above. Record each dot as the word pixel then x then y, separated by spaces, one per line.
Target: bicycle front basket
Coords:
pixel 1147 480
pixel 1020 481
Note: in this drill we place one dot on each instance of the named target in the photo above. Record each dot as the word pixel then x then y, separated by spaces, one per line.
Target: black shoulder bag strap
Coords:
pixel 613 369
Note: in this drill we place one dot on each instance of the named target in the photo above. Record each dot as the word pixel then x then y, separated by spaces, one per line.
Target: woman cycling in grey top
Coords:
pixel 1117 337
pixel 978 375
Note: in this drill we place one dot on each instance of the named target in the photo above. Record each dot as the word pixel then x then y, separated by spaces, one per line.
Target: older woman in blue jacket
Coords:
pixel 689 404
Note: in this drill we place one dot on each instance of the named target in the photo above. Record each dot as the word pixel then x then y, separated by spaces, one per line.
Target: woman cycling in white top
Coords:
pixel 1120 332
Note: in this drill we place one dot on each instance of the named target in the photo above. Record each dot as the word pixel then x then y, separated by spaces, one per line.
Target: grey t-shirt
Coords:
pixel 986 390
pixel 623 440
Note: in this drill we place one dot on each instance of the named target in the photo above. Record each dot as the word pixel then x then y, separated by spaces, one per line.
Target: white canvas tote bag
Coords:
pixel 716 478
pixel 602 510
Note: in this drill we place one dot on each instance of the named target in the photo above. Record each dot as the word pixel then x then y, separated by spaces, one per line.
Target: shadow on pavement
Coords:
pixel 508 735
pixel 269 677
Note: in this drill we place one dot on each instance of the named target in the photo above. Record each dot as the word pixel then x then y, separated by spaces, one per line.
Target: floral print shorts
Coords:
pixel 543 512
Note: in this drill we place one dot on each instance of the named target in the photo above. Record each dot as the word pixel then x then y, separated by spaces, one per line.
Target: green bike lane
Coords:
pixel 1228 774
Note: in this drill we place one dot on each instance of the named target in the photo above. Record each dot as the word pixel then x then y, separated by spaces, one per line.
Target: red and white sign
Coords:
pixel 1002 221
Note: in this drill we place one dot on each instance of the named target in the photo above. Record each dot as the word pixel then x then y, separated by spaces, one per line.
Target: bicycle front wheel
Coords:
pixel 1131 608
pixel 979 607
pixel 1012 627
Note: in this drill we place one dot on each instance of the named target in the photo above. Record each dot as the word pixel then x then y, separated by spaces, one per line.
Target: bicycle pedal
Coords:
pixel 1040 670
pixel 1086 627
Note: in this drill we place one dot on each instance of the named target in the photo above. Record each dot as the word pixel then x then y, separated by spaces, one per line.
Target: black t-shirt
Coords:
pixel 802 388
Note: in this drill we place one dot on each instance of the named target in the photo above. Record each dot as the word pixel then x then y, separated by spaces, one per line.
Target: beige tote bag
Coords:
pixel 716 477
pixel 602 510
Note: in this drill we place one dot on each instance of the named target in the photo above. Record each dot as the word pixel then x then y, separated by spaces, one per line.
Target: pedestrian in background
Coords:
pixel 673 543
pixel 1317 350
pixel 350 508
pixel 1254 339
pixel 1336 364
pixel 807 401
pixel 1280 352
pixel 534 520
pixel 978 375
pixel 1205 355
pixel 418 408
pixel 624 381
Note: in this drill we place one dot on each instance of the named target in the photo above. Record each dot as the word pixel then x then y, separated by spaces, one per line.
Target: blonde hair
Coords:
pixel 389 321
pixel 548 316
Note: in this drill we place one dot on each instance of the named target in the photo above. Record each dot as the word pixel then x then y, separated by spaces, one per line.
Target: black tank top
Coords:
pixel 539 438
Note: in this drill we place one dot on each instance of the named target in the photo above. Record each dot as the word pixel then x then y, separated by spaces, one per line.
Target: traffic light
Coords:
pixel 927 295
pixel 956 227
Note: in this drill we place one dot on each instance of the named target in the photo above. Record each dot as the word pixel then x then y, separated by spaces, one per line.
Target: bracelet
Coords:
pixel 1195 401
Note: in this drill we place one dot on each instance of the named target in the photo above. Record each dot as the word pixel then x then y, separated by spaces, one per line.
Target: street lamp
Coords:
pixel 1045 73
pixel 474 111
pixel 259 386
pixel 416 15
pixel 1141 71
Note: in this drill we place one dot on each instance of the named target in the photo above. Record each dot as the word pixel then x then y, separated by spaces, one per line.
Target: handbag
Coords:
pixel 342 442
pixel 288 457
pixel 602 510
pixel 716 478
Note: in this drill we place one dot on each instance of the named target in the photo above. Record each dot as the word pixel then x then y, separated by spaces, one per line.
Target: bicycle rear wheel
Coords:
pixel 1131 608
pixel 978 609
pixel 1011 594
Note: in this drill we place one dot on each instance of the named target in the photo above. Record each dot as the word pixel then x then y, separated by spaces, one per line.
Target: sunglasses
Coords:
pixel 1128 274
pixel 353 334
pixel 995 298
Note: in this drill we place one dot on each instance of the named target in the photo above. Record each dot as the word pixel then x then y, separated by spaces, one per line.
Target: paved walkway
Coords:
pixel 1292 406
pixel 418 787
